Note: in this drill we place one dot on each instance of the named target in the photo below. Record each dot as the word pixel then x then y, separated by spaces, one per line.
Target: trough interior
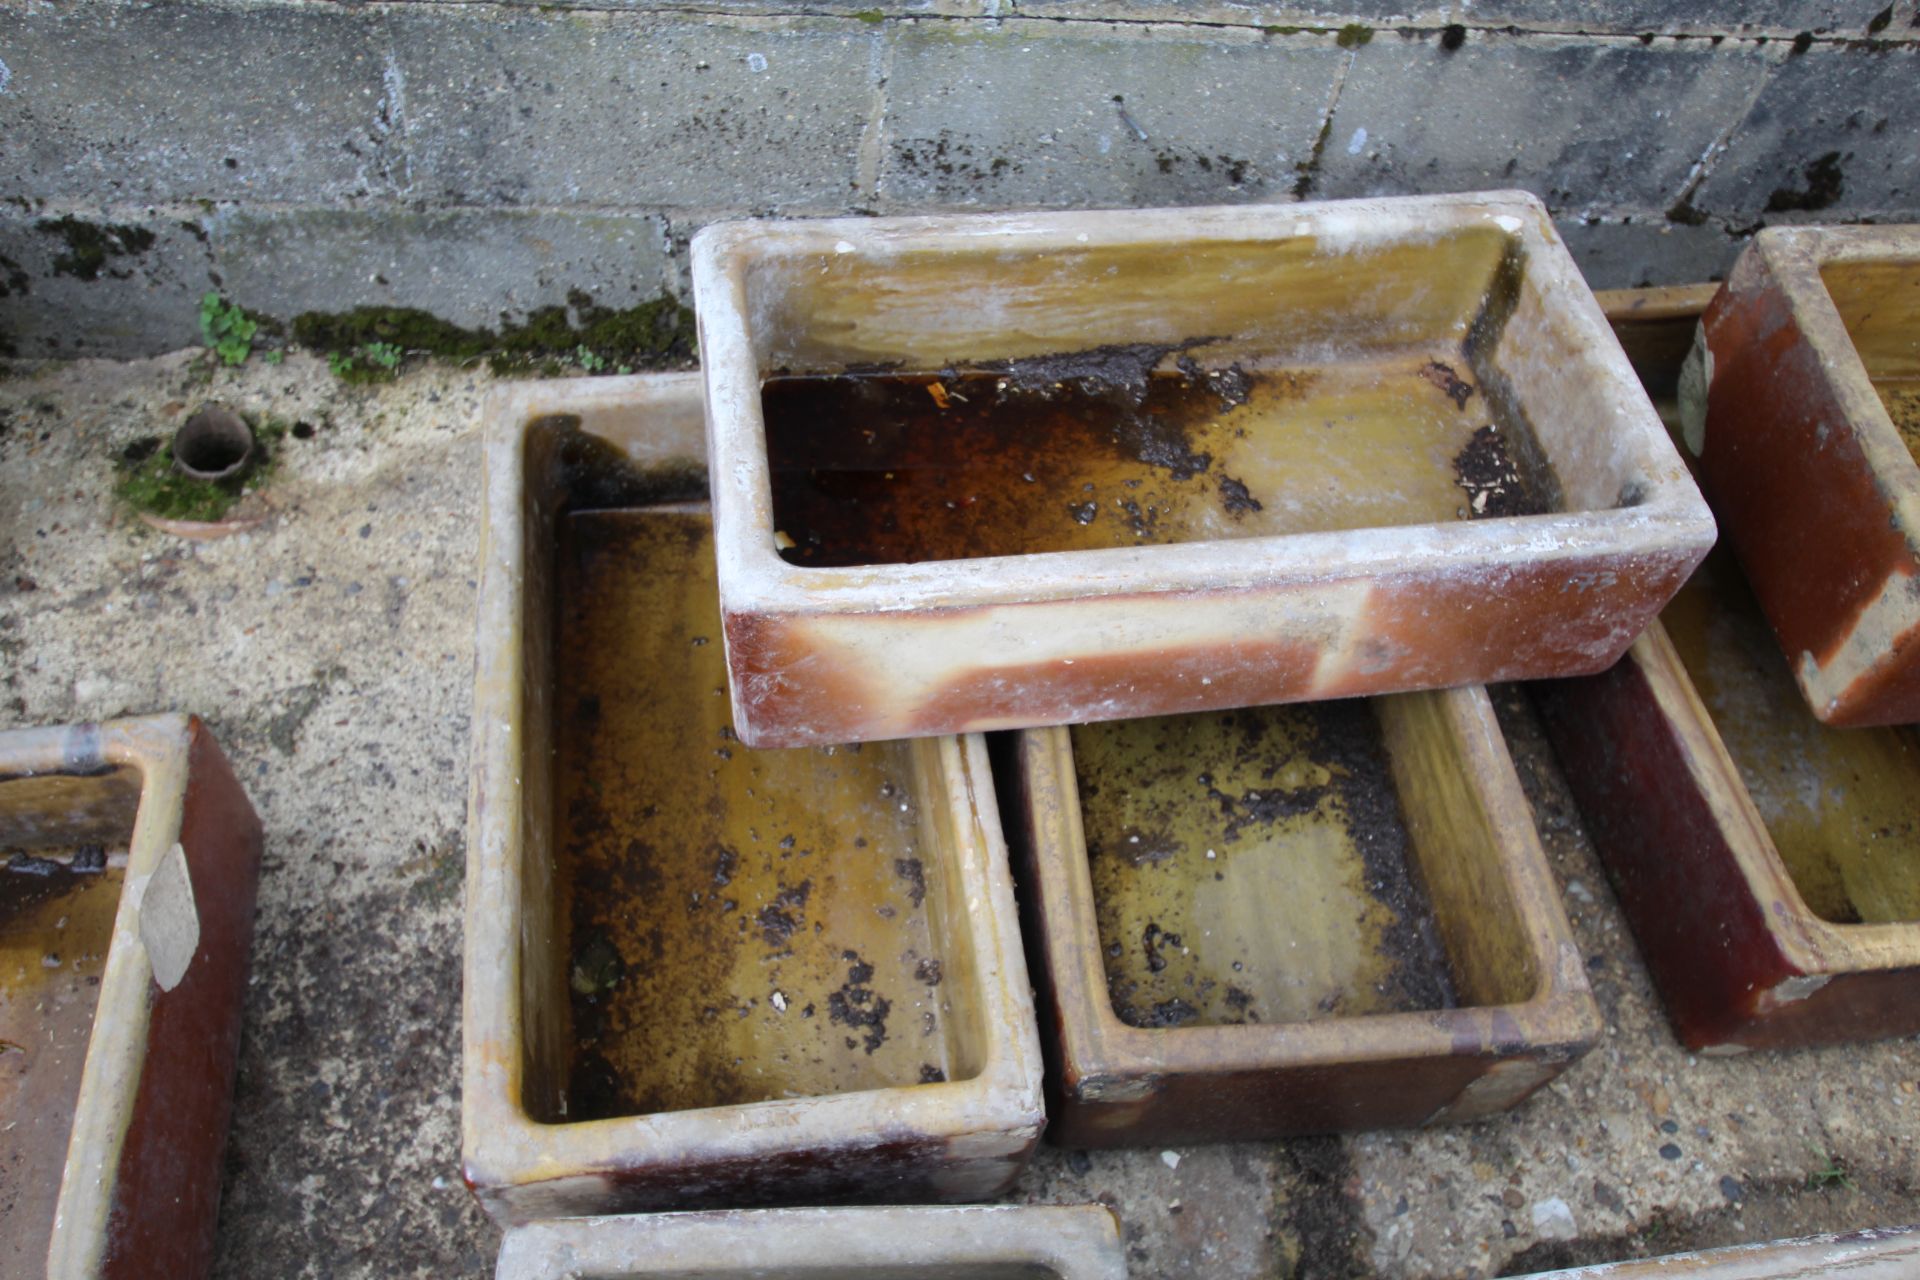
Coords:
pixel 959 400
pixel 64 841
pixel 1879 302
pixel 715 925
pixel 1289 864
pixel 1841 805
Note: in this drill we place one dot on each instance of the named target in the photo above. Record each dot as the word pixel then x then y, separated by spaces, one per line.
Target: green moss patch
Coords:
pixel 149 483
pixel 360 345
pixel 90 244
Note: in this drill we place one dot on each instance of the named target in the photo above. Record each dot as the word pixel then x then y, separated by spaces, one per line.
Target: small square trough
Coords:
pixel 700 975
pixel 1296 919
pixel 132 857
pixel 993 471
pixel 996 1242
pixel 1803 407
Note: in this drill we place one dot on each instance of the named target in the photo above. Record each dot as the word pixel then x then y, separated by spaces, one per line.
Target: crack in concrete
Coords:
pixel 873 138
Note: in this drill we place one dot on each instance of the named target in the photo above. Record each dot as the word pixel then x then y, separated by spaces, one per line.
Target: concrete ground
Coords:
pixel 331 649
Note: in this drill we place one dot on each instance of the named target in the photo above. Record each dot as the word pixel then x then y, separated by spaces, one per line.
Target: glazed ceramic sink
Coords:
pixel 1292 919
pixel 997 1242
pixel 126 912
pixel 700 975
pixel 1761 856
pixel 1769 864
pixel 1859 1255
pixel 991 471
pixel 1805 414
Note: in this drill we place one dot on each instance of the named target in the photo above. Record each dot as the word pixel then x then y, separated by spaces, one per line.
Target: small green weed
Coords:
pixel 368 362
pixel 1833 1172
pixel 227 328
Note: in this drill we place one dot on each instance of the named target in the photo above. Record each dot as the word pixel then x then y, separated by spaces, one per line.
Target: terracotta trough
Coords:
pixel 126 911
pixel 993 471
pixel 999 1242
pixel 700 975
pixel 1769 864
pixel 1765 861
pixel 1805 414
pixel 1291 920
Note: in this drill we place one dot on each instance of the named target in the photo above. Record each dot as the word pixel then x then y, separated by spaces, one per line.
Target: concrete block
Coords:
pixel 1649 250
pixel 1040 115
pixel 464 265
pixel 1831 137
pixel 589 109
pixel 118 105
pixel 83 287
pixel 1724 17
pixel 1581 123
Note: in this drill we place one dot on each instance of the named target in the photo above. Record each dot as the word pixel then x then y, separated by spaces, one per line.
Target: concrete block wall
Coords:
pixel 483 159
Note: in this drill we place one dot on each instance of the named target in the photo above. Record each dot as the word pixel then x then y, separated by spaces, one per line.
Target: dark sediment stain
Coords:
pixel 714 902
pixel 1174 806
pixel 1823 184
pixel 1494 483
pixel 92 245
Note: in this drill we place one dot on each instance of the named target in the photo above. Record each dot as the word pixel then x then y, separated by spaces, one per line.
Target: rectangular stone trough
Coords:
pixel 997 1242
pixel 1804 413
pixel 1859 1255
pixel 992 471
pixel 1292 919
pixel 699 975
pixel 1763 858
pixel 1769 864
pixel 131 859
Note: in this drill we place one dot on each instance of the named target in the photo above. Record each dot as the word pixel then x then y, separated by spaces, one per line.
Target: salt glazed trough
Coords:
pixel 1003 470
pixel 992 1242
pixel 700 975
pixel 1292 919
pixel 1767 863
pixel 1803 406
pixel 126 916
pixel 1858 1255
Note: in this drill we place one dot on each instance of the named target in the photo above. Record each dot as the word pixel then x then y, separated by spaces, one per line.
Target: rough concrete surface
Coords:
pixel 1120 119
pixel 473 142
pixel 331 649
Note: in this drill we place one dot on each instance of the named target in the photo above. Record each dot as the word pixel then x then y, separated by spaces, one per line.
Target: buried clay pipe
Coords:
pixel 215 443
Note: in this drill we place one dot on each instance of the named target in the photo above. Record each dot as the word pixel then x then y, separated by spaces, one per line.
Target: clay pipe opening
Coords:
pixel 214 444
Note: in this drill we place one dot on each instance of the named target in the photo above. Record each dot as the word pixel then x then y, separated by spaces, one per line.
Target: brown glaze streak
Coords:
pixel 1436 634
pixel 1244 673
pixel 1432 634
pixel 1776 440
pixel 1631 775
pixel 887 1170
pixel 1231 1106
pixel 167 1191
